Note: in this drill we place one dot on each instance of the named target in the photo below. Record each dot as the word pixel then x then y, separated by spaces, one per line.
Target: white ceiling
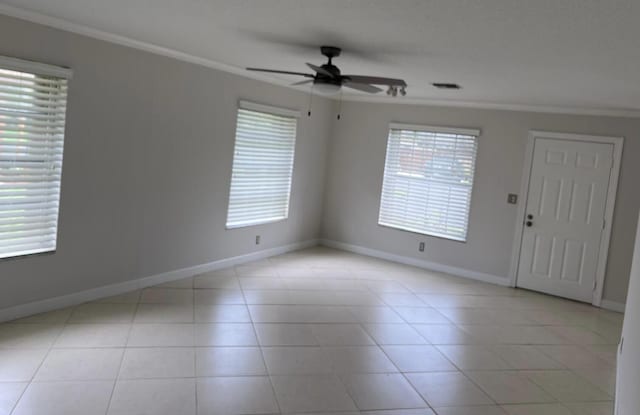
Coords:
pixel 555 54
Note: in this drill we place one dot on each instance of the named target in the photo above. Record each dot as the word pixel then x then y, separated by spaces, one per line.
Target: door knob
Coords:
pixel 529 216
pixel 529 224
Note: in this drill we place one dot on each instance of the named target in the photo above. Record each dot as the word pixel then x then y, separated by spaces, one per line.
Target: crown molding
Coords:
pixel 67 26
pixel 62 24
pixel 607 112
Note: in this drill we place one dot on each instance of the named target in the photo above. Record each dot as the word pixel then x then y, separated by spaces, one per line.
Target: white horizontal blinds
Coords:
pixel 32 120
pixel 427 181
pixel 262 168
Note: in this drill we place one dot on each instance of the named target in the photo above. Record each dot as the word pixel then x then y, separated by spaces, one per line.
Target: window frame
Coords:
pixel 62 73
pixel 473 132
pixel 271 110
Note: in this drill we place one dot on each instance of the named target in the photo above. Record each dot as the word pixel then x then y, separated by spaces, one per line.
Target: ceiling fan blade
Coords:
pixel 320 70
pixel 306 81
pixel 376 80
pixel 363 87
pixel 280 72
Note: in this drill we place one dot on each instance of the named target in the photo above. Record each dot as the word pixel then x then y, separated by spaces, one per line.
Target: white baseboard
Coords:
pixel 420 263
pixel 24 310
pixel 459 272
pixel 612 306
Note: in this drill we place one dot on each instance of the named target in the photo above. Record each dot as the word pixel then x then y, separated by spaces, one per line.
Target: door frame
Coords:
pixel 612 191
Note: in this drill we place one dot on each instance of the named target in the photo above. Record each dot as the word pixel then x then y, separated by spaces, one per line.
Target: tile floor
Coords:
pixel 314 331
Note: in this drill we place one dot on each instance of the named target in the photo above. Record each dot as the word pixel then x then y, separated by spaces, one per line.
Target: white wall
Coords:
pixel 356 166
pixel 628 368
pixel 147 164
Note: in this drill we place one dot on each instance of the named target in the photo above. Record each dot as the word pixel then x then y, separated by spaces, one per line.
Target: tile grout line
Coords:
pixel 379 346
pixel 403 374
pixel 255 333
pixel 53 341
pixel 124 351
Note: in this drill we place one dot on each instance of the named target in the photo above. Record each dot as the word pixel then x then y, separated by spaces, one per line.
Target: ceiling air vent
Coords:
pixel 446 85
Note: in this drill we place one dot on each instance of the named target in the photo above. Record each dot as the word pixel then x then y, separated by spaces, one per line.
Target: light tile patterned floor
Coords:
pixel 314 331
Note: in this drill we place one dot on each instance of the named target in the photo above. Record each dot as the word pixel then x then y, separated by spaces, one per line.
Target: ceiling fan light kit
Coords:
pixel 326 88
pixel 393 91
pixel 329 80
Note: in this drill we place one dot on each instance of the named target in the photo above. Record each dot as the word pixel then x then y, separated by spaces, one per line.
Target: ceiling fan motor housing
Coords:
pixel 330 51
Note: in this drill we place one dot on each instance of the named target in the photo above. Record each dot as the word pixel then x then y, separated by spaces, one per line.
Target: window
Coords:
pixel 33 101
pixel 428 177
pixel 262 165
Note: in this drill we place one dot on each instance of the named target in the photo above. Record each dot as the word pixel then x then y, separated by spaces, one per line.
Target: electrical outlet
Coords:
pixel 257 239
pixel 512 199
pixel 421 247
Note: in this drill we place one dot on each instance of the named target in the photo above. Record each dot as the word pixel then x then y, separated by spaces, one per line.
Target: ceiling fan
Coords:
pixel 328 79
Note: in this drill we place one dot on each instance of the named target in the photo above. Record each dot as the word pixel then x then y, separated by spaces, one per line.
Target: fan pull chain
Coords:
pixel 340 105
pixel 310 99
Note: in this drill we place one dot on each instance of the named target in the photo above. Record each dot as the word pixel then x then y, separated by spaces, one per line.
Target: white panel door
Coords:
pixel 564 217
